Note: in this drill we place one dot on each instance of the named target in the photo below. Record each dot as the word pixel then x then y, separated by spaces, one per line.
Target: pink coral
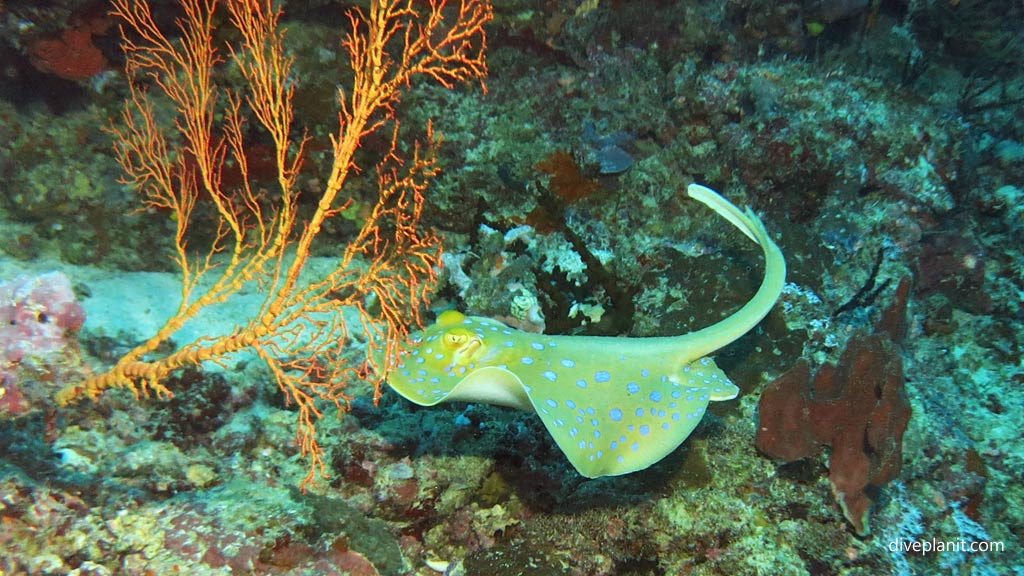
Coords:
pixel 36 315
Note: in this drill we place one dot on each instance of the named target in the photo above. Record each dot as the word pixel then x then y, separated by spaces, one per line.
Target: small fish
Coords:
pixel 613 405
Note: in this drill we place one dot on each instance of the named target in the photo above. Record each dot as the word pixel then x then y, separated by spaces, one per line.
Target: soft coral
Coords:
pixel 71 55
pixel 859 407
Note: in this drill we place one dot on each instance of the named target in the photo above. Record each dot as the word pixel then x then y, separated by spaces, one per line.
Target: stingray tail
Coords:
pixel 743 320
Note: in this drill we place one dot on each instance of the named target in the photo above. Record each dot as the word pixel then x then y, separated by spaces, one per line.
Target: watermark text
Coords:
pixel 935 545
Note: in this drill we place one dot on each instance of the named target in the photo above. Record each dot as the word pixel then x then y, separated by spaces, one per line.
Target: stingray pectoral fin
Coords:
pixel 619 427
pixel 490 385
pixel 617 441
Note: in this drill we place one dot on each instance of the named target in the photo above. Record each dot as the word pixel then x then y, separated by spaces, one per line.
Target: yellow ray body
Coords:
pixel 613 405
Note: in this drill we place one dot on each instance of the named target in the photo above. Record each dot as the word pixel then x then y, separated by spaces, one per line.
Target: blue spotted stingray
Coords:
pixel 613 405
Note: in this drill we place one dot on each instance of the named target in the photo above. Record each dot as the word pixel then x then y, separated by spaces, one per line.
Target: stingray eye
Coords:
pixel 454 340
pixel 465 346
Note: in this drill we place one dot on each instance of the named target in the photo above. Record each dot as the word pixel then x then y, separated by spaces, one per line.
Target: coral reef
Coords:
pixel 876 140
